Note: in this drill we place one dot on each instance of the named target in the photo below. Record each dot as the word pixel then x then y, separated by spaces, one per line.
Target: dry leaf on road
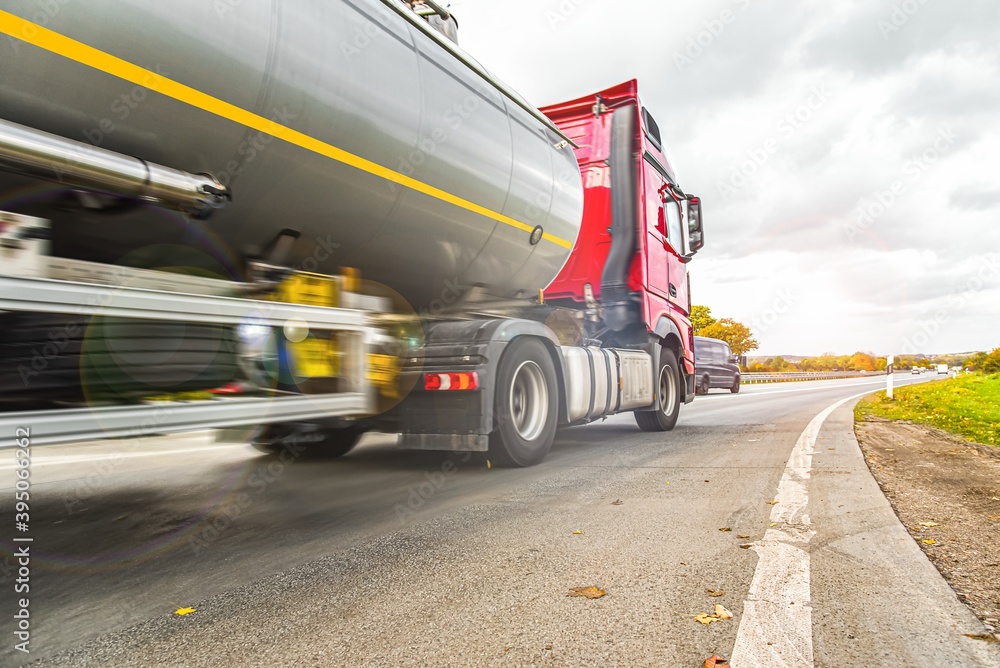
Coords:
pixel 702 618
pixel 722 613
pixel 617 502
pixel 184 611
pixel 725 529
pixel 772 503
pixel 587 592
pixel 929 541
pixel 743 536
pixel 577 532
pixel 928 524
pixel 715 662
pixel 713 592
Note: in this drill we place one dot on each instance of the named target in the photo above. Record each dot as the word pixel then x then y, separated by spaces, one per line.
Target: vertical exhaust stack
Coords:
pixel 439 17
pixel 620 311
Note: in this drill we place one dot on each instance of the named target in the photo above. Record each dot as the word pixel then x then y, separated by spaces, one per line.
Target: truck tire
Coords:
pixel 302 442
pixel 52 357
pixel 526 405
pixel 668 396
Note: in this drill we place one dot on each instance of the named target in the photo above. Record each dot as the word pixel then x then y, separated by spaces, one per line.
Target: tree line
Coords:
pixel 741 341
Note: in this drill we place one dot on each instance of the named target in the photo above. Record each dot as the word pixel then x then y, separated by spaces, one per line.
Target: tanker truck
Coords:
pixel 311 220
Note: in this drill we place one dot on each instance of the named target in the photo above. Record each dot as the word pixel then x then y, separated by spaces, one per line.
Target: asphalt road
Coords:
pixel 389 558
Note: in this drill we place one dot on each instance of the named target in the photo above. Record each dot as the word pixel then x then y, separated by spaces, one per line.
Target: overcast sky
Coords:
pixel 846 151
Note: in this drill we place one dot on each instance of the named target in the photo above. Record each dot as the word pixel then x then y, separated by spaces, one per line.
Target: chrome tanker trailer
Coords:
pixel 322 218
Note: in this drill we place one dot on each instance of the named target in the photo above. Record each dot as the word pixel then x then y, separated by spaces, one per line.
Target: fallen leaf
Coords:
pixel 715 592
pixel 725 529
pixel 774 524
pixel 743 536
pixel 928 524
pixel 184 611
pixel 929 541
pixel 587 592
pixel 996 498
pixel 993 517
pixel 577 532
pixel 715 662
pixel 548 647
pixel 745 546
pixel 684 563
pixel 702 618
pixel 722 613
pixel 488 465
pixel 772 503
pixel 617 502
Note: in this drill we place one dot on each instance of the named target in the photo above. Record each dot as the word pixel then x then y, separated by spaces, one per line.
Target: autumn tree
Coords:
pixel 736 334
pixel 991 364
pixel 701 317
pixel 863 362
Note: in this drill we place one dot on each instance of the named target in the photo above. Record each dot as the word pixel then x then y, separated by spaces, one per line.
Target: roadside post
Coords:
pixel 888 376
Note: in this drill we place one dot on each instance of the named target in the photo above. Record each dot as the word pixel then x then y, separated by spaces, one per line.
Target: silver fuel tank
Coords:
pixel 351 122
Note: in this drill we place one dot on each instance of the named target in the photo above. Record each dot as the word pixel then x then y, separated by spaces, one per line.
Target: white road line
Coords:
pixel 776 627
pixel 113 456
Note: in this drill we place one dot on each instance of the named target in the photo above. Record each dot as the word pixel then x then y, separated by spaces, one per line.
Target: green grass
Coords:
pixel 968 406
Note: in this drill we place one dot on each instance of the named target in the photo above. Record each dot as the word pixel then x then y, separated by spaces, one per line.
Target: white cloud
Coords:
pixel 892 93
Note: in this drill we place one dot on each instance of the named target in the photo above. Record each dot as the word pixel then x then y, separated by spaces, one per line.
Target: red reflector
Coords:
pixel 465 380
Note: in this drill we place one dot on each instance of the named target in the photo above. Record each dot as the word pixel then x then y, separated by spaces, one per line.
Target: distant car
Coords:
pixel 914 371
pixel 715 366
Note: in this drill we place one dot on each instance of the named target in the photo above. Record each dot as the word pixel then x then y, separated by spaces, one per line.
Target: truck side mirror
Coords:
pixel 696 232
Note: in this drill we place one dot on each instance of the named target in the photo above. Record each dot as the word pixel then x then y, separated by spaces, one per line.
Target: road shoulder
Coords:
pixel 875 596
pixel 946 492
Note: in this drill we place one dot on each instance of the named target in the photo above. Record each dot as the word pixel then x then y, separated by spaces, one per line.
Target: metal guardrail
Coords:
pixel 786 376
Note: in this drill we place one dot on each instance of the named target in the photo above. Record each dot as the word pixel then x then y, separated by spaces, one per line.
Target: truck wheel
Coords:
pixel 736 385
pixel 668 396
pixel 526 405
pixel 307 441
pixel 704 386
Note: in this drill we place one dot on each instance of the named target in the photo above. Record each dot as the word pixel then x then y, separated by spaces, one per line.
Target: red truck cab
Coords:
pixel 643 222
